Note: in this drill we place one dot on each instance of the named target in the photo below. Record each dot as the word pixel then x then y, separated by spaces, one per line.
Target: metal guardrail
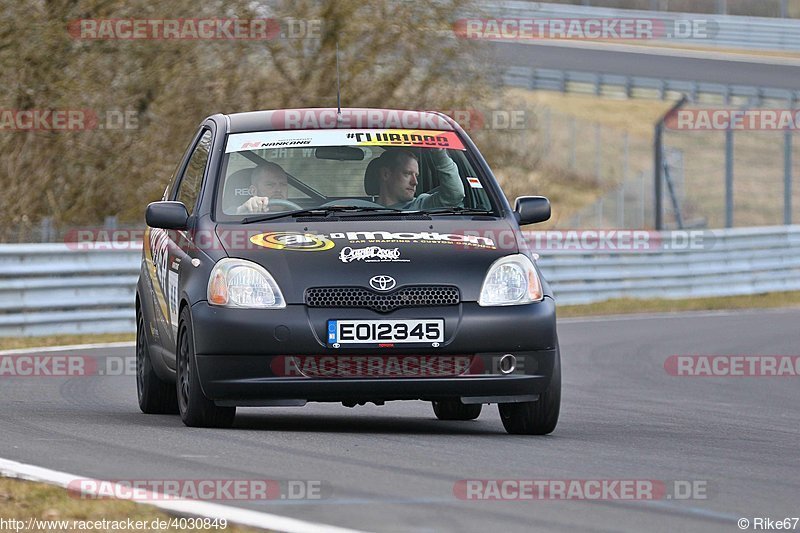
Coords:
pixel 48 289
pixel 741 261
pixel 756 33
pixel 568 81
pixel 52 289
pixel 727 31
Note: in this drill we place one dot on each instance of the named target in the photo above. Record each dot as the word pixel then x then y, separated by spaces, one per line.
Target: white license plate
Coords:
pixel 344 332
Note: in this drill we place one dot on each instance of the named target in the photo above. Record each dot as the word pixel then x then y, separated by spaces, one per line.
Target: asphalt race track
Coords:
pixel 654 63
pixel 393 468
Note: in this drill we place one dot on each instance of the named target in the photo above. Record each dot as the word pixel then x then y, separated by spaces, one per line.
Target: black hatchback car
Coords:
pixel 354 256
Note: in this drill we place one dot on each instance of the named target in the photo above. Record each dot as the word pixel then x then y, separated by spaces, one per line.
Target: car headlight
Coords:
pixel 244 284
pixel 511 280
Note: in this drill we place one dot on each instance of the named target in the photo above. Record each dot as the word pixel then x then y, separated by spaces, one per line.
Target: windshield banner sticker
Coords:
pixel 239 142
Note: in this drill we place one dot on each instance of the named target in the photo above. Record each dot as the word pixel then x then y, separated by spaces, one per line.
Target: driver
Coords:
pixel 268 181
pixel 399 170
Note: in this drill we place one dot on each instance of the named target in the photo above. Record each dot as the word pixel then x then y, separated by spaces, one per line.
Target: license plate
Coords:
pixel 346 332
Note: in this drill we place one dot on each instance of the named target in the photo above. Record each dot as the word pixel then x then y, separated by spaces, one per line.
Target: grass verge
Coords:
pixel 625 306
pixel 13 343
pixel 22 500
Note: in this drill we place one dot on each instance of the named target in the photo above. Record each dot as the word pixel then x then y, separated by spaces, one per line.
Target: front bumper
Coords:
pixel 240 353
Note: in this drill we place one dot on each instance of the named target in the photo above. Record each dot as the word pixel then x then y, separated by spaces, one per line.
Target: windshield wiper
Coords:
pixel 457 211
pixel 320 211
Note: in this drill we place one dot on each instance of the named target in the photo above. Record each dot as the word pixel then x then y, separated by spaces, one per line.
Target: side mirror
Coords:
pixel 167 215
pixel 531 209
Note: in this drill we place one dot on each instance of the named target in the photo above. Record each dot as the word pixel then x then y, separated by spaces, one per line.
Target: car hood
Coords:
pixel 349 253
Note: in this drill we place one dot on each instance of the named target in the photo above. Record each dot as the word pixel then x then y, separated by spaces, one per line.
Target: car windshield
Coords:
pixel 277 174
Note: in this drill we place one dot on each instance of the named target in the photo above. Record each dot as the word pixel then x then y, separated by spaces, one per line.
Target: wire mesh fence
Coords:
pixel 709 182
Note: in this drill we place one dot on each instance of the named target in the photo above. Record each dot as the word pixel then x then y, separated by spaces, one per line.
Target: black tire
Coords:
pixel 196 410
pixel 156 397
pixel 539 417
pixel 453 409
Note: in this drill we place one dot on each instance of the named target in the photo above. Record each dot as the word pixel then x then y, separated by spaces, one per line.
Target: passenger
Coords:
pixel 398 174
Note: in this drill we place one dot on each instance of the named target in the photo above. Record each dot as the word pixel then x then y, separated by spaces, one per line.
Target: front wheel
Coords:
pixel 453 409
pixel 196 410
pixel 539 417
pixel 156 397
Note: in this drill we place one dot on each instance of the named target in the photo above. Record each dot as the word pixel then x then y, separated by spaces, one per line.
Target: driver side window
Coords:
pixel 192 180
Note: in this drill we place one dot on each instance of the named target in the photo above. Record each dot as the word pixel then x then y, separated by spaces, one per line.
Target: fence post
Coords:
pixel 658 150
pixel 658 164
pixel 787 177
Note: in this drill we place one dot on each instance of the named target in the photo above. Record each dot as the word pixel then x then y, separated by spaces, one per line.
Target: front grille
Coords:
pixel 412 296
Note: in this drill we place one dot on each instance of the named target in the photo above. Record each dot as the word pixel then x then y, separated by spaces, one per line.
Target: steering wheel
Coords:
pixel 278 202
pixel 351 202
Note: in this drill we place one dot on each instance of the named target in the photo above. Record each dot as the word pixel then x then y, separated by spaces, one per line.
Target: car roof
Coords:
pixel 329 118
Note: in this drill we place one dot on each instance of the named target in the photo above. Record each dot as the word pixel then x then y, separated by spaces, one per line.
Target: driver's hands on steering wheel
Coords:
pixel 256 204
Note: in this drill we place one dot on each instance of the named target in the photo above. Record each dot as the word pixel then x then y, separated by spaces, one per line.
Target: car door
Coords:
pixel 169 248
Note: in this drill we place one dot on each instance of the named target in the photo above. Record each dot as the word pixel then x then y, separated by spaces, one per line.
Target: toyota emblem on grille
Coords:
pixel 382 283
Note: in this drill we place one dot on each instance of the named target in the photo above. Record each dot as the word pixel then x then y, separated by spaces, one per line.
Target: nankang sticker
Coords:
pixel 294 241
pixel 371 254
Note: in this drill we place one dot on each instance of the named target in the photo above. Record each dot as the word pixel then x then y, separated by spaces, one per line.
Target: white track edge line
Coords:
pixel 708 313
pixel 246 517
pixel 94 346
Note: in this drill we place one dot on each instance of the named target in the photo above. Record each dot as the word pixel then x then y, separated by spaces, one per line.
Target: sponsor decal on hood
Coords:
pixel 371 254
pixel 296 241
